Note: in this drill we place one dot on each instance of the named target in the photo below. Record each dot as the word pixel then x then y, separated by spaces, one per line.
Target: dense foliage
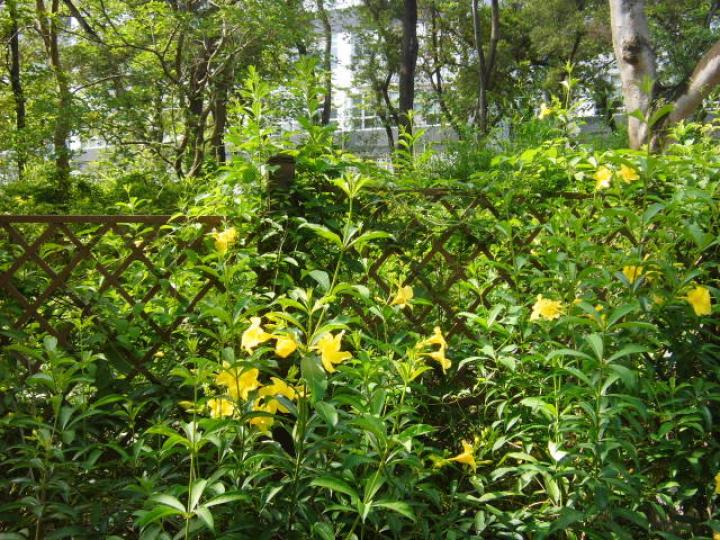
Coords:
pixel 581 403
pixel 514 335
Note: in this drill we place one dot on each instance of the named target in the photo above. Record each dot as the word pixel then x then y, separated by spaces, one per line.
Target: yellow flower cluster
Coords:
pixel 545 111
pixel 603 176
pixel 632 273
pixel 439 355
pixel 547 309
pixel 238 384
pixel 224 239
pixel 285 344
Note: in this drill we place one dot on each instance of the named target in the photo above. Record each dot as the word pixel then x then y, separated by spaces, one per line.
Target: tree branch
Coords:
pixel 704 79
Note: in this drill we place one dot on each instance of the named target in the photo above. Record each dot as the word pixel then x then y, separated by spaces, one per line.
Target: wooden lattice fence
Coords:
pixel 134 279
pixel 461 250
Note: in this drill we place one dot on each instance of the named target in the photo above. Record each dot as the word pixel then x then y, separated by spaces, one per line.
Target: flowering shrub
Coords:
pixel 582 402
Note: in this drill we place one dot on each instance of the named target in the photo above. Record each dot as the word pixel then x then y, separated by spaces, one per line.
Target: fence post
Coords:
pixel 280 182
pixel 280 202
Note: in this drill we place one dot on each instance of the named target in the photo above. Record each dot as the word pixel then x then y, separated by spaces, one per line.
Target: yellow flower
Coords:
pixel 285 346
pixel 717 484
pixel 224 239
pixel 546 309
pixel 545 111
pixel 330 353
pixel 632 273
pixel 439 356
pixel 403 296
pixel 628 174
pixel 277 388
pixel 466 456
pixel 254 335
pixel 699 299
pixel 159 354
pixel 220 407
pixel 602 178
pixel 436 339
pixel 263 422
pixel 716 535
pixel 239 383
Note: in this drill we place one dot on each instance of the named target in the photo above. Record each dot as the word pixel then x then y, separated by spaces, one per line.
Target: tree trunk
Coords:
pixel 408 63
pixel 636 62
pixel 327 63
pixel 485 65
pixel 48 26
pixel 220 118
pixel 17 88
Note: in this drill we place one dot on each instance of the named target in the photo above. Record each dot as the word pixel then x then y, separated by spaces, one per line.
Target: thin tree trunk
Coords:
pixel 220 118
pixel 327 63
pixel 435 75
pixel 485 65
pixel 408 63
pixel 63 123
pixel 636 62
pixel 383 108
pixel 17 88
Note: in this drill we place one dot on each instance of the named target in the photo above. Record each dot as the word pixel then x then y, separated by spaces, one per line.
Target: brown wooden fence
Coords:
pixel 447 244
pixel 449 247
pixel 47 262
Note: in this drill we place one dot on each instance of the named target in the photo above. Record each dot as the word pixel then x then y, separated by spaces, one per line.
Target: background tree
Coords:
pixel 636 58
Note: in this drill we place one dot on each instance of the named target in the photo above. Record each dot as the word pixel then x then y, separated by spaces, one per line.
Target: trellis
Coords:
pixel 433 257
pixel 424 249
pixel 62 248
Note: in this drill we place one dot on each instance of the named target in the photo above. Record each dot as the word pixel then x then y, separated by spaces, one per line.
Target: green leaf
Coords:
pixel 596 344
pixel 651 212
pixel 633 348
pixel 397 506
pixel 196 492
pixel 206 517
pixel 328 412
pixel 322 278
pixel 168 500
pixel 567 517
pixel 555 451
pixel 579 374
pixel 324 531
pixel 156 514
pixel 50 343
pixel 367 237
pixel 335 484
pixel 552 488
pixel 628 376
pixel 568 352
pixel 225 498
pixel 323 232
pixel 373 425
pixel 314 375
pixel 538 405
